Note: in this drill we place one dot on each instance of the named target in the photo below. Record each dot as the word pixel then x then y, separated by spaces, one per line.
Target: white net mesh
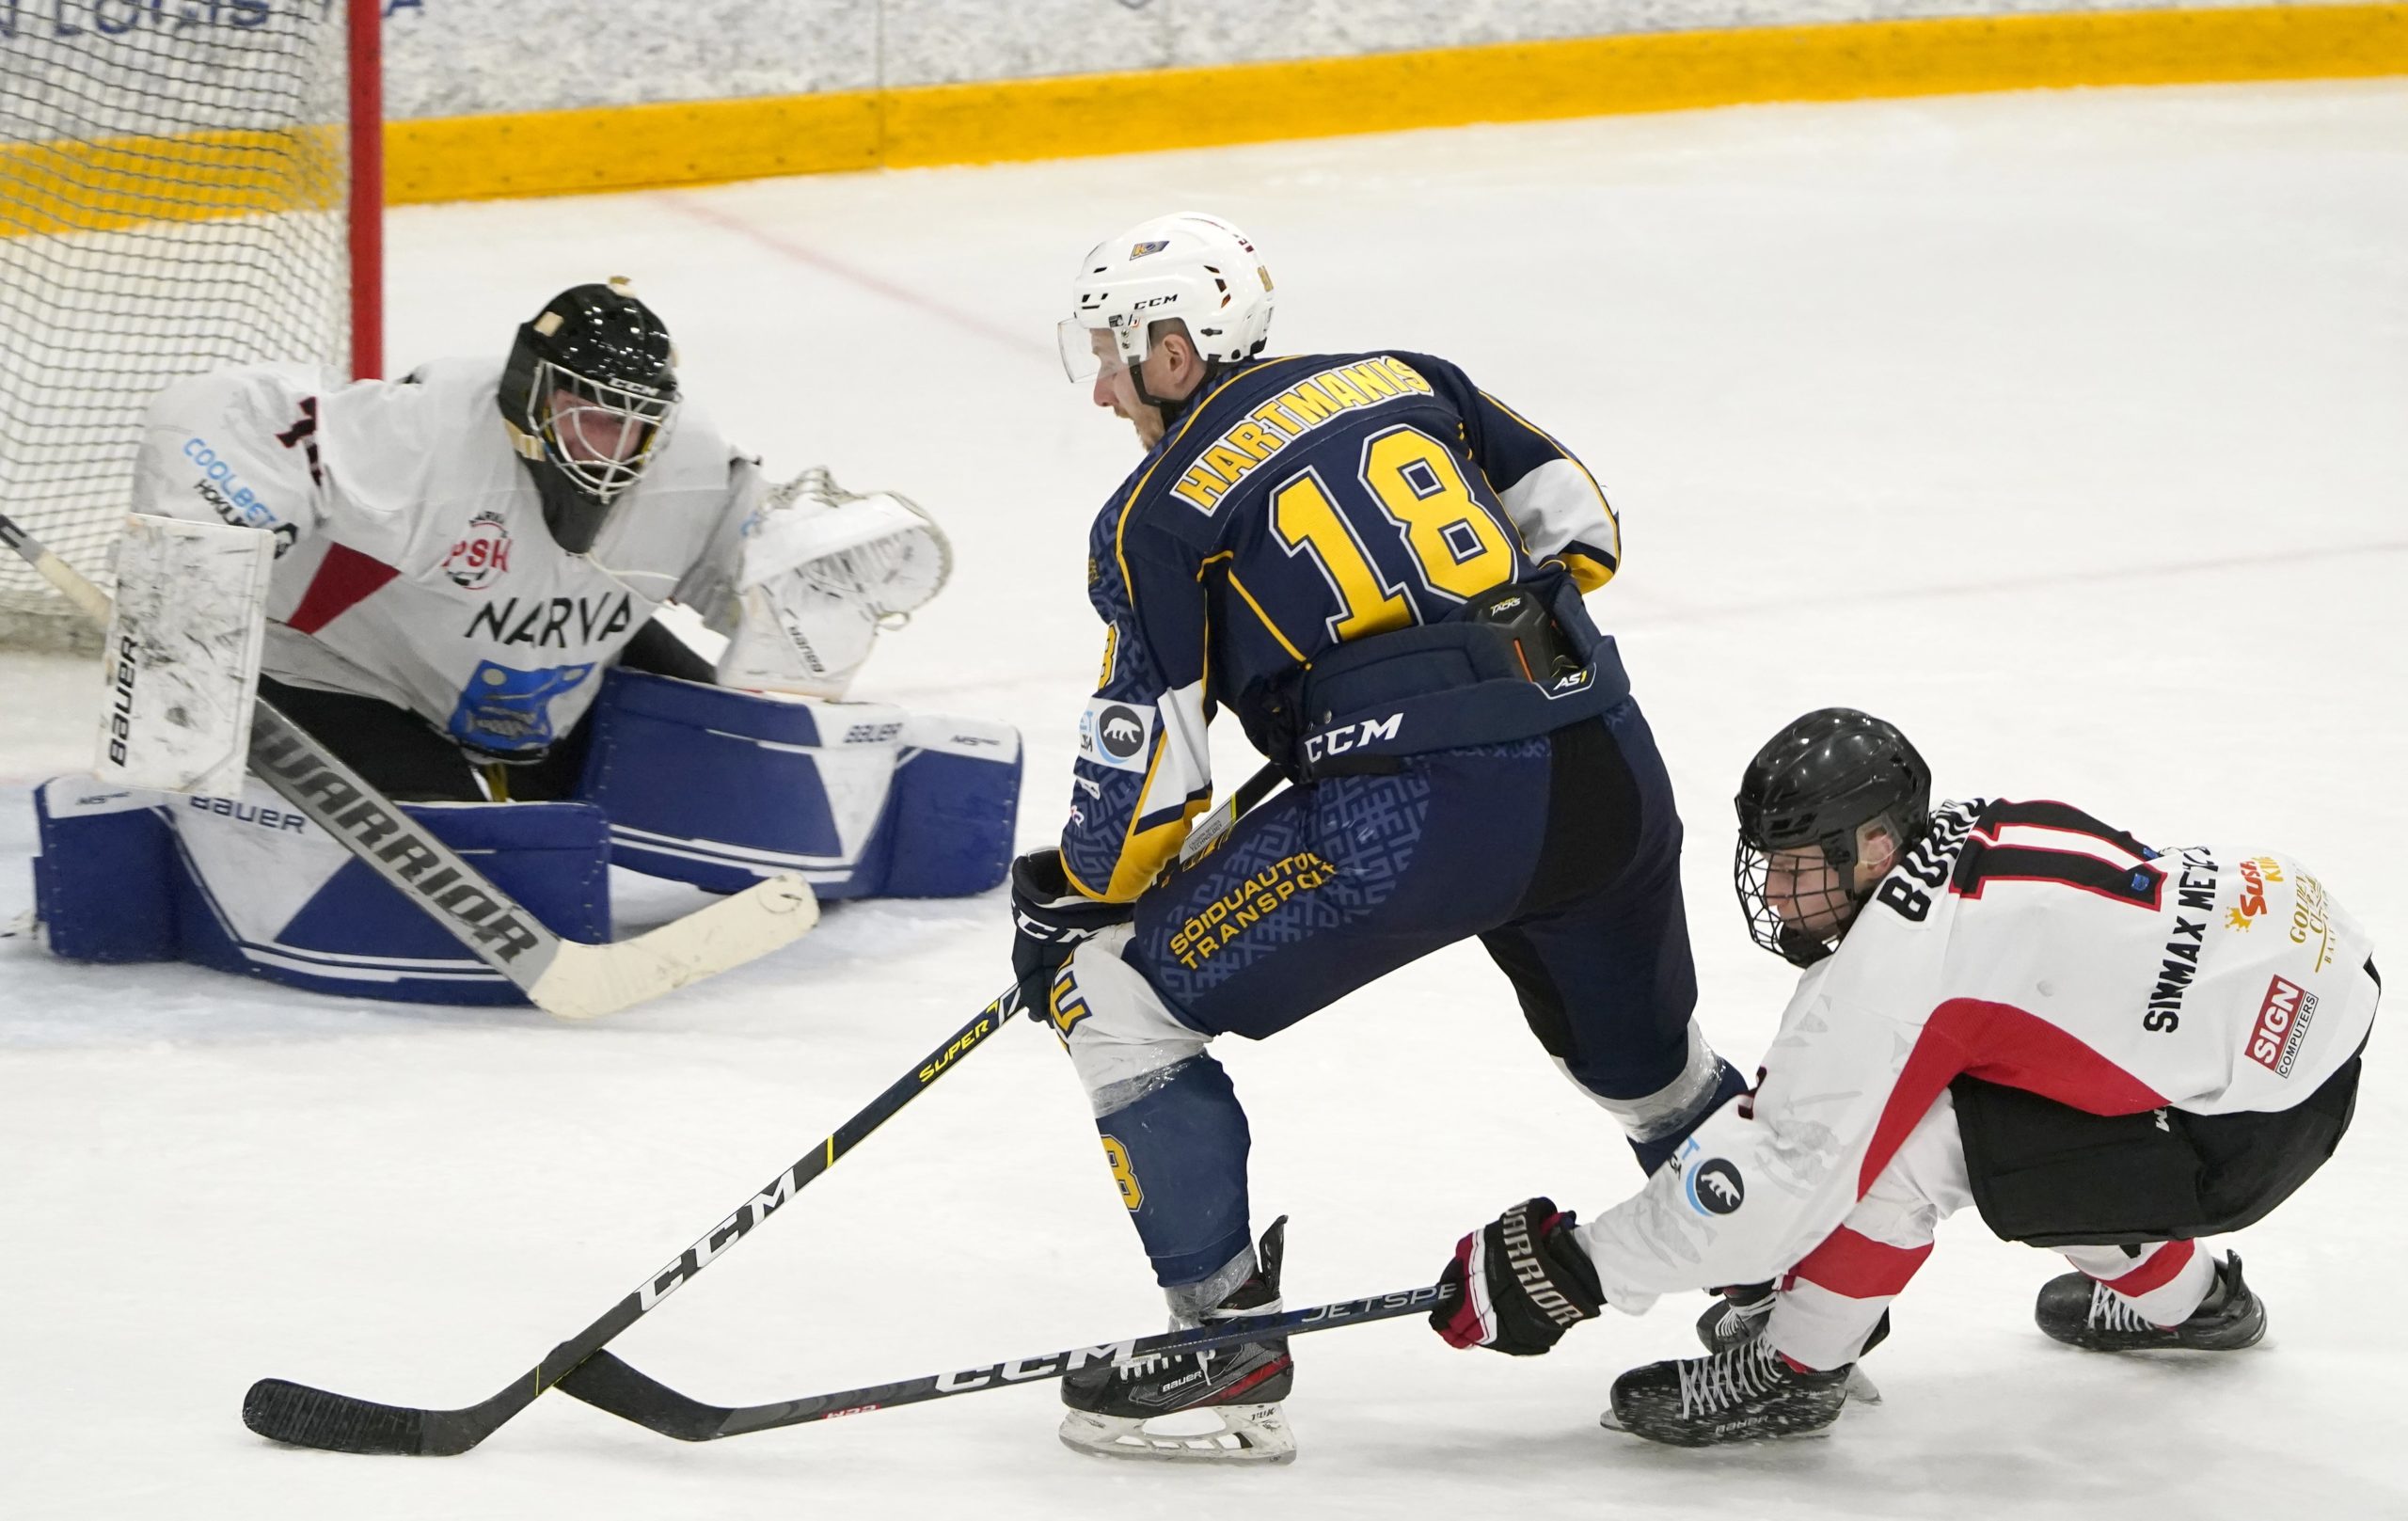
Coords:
pixel 172 193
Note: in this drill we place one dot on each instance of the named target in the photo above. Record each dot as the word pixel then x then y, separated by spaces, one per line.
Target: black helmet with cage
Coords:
pixel 1816 785
pixel 589 395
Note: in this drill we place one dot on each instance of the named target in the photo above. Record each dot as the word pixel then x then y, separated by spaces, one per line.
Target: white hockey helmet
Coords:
pixel 1188 266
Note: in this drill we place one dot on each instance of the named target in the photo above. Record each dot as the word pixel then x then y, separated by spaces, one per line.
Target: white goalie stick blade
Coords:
pixel 1241 1433
pixel 586 981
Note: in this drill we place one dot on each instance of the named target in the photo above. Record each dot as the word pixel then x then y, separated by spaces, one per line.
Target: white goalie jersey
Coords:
pixel 2027 945
pixel 414 564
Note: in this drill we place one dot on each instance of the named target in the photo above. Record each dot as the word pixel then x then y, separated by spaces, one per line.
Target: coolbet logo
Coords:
pixel 219 486
pixel 2254 875
pixel 476 560
pixel 1715 1187
pixel 2281 1024
pixel 1246 904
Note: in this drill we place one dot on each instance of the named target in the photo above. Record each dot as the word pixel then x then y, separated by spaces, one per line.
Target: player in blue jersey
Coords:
pixel 1379 568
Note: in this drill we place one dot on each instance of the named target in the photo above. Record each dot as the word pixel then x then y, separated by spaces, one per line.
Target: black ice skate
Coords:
pixel 1193 1407
pixel 2080 1312
pixel 1737 1317
pixel 1746 1394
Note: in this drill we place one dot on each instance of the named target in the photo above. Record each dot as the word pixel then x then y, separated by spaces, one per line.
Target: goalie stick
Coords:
pixel 606 1383
pixel 300 1415
pixel 560 977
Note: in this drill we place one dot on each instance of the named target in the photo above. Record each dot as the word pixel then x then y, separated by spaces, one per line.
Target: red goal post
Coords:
pixel 183 186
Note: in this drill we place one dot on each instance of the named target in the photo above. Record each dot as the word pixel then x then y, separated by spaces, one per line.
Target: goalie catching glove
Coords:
pixel 1520 1282
pixel 823 570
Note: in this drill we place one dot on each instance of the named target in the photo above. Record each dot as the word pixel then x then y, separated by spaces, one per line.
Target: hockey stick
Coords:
pixel 606 1383
pixel 304 1417
pixel 300 1415
pixel 560 977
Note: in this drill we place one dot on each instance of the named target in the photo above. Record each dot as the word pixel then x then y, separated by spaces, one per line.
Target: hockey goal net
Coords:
pixel 181 186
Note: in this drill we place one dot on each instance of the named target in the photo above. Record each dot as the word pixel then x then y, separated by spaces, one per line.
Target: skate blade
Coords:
pixel 1611 1422
pixel 1255 1434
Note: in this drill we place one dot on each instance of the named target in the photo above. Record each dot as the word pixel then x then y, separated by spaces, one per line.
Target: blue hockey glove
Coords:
pixel 1520 1283
pixel 1049 919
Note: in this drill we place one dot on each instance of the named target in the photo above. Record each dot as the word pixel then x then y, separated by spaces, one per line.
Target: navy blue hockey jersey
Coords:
pixel 1300 503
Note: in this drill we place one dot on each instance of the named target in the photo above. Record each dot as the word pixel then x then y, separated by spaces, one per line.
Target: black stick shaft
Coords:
pixel 305 1417
pixel 606 1383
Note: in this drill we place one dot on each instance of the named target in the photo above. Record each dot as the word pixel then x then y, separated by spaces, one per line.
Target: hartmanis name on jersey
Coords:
pixel 1290 415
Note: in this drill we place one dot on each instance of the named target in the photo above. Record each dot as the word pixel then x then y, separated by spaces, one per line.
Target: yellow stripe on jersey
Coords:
pixel 1144 853
pixel 1285 642
pixel 1587 574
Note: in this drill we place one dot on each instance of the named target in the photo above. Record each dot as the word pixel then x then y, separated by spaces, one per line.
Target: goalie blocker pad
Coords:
pixel 247 885
pixel 722 788
pixel 2049 1174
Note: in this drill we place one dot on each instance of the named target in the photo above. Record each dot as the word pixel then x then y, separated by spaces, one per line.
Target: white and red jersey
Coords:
pixel 414 564
pixel 2028 945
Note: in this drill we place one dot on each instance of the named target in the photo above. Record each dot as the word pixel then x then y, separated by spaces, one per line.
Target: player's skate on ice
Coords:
pixel 1379 568
pixel 2106 1048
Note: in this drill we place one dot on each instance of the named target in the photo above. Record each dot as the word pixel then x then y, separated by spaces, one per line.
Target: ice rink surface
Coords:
pixel 2069 431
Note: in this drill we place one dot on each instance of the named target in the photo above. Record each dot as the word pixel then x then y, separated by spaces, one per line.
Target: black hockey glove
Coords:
pixel 1049 919
pixel 1520 1283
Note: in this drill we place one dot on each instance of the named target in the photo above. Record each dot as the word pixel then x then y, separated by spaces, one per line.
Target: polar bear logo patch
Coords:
pixel 1116 734
pixel 1715 1187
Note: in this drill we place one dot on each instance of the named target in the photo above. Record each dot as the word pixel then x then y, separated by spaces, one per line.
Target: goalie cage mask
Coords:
pixel 1813 786
pixel 588 396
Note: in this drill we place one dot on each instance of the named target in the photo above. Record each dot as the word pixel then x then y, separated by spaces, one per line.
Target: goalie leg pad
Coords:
pixel 723 788
pixel 251 886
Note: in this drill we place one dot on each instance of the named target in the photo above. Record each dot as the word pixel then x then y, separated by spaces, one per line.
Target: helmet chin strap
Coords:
pixel 1172 410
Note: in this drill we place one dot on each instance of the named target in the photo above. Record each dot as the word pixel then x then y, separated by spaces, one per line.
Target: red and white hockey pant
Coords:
pixel 1833 1298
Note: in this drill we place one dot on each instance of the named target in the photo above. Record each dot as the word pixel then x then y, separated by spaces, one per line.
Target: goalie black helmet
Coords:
pixel 1812 789
pixel 588 396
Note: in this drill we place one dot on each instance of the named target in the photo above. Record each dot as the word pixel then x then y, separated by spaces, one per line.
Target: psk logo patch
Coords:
pixel 1715 1187
pixel 1152 247
pixel 482 555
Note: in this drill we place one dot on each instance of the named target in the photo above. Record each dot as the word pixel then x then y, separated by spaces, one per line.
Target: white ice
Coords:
pixel 2069 429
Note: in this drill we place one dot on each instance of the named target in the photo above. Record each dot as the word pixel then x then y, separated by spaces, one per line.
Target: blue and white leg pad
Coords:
pixel 252 886
pixel 722 788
